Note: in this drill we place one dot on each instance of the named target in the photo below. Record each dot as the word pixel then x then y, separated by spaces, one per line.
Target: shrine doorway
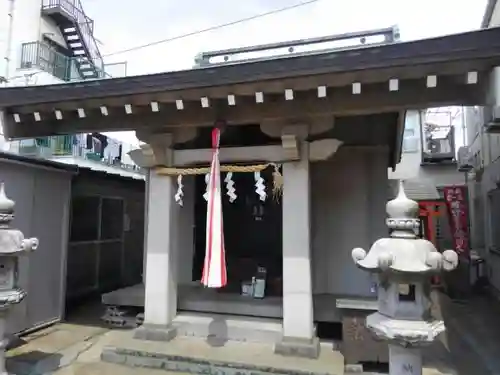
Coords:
pixel 252 234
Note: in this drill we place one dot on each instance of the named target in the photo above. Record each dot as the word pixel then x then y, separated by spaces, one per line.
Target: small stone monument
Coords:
pixel 12 245
pixel 404 264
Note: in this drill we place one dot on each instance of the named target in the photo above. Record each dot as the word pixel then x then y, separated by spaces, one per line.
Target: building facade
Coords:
pixel 481 158
pixel 48 42
pixel 45 42
pixel 428 162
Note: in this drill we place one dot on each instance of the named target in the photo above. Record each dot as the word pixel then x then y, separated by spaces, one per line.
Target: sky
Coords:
pixel 123 24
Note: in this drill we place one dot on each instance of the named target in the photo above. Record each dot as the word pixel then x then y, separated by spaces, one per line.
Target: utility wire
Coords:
pixel 212 28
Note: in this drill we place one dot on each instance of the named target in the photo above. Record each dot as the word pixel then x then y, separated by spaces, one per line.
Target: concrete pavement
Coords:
pixel 469 347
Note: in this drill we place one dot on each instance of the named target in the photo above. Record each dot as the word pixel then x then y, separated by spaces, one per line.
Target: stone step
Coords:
pixel 198 355
pixel 221 327
pixel 193 365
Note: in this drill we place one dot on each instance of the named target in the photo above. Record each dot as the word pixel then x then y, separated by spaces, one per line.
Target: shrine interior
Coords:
pixel 252 227
pixel 252 233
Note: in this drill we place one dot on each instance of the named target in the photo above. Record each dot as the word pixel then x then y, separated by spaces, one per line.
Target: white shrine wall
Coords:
pixel 349 194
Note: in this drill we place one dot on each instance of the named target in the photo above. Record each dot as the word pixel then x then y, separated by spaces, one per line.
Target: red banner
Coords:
pixel 456 202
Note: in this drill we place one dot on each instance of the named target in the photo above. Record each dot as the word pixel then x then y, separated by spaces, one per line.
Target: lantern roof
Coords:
pixel 403 252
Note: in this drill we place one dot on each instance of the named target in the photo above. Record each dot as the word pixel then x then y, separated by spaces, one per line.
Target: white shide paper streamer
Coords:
pixel 260 187
pixel 230 187
pixel 180 193
pixel 207 180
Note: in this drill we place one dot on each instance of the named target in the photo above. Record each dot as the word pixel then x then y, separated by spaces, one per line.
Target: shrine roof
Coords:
pixel 481 45
pixel 130 101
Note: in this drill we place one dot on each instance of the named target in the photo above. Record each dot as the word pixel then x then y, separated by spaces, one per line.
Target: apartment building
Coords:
pixel 45 42
pixel 481 158
pixel 48 41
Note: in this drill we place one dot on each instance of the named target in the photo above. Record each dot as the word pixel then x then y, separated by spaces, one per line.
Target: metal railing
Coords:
pixel 44 147
pixel 74 9
pixel 41 55
pixel 64 146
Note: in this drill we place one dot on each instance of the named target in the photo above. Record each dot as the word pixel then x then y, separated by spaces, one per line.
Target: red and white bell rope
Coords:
pixel 214 267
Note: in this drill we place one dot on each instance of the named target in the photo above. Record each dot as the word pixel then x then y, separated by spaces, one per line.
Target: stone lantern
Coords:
pixel 404 264
pixel 12 245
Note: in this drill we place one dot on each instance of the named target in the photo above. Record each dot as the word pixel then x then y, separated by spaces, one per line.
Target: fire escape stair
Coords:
pixel 69 17
pixel 81 55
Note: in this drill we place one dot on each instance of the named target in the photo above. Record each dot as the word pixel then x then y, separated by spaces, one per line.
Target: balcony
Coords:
pixel 69 147
pixel 42 56
pixel 438 143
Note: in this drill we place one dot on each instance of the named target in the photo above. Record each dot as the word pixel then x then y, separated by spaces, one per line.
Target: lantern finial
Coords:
pixel 403 215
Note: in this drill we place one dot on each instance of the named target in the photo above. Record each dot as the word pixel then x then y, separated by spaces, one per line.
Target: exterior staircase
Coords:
pixel 78 31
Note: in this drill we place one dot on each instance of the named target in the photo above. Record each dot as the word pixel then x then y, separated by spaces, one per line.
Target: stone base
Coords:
pixel 154 332
pixel 222 360
pixel 298 347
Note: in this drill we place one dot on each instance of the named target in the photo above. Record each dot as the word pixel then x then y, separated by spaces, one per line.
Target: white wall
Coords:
pixel 349 194
pixel 28 26
pixel 49 28
pixel 33 77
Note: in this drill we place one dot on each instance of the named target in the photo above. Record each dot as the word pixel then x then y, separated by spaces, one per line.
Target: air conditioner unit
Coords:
pixel 465 162
pixel 492 119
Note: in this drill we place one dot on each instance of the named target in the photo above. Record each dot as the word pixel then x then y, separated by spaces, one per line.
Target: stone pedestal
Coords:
pixel 358 343
pixel 405 361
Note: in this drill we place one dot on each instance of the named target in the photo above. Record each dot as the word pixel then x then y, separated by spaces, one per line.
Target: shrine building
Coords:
pixel 305 143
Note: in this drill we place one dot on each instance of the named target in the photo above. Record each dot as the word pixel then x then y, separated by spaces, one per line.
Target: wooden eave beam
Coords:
pixel 268 87
pixel 375 98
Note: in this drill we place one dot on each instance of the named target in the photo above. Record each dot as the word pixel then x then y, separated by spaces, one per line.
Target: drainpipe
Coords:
pixel 8 50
